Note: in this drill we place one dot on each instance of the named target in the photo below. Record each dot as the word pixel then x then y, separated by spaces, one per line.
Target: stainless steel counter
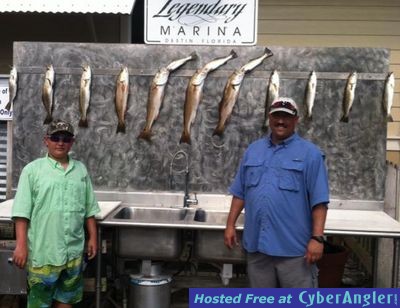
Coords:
pixel 105 208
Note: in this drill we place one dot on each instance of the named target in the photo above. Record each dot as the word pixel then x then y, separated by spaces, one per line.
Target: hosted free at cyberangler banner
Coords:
pixel 247 297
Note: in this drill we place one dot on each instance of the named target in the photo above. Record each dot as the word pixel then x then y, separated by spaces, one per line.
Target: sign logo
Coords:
pixel 201 22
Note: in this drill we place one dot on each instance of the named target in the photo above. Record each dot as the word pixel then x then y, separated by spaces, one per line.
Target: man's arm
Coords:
pixel 92 240
pixel 319 217
pixel 314 248
pixel 20 254
pixel 230 238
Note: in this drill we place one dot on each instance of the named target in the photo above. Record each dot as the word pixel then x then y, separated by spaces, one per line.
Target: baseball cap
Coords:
pixel 284 104
pixel 60 126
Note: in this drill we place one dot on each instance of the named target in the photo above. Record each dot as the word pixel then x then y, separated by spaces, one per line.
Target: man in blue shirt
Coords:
pixel 282 183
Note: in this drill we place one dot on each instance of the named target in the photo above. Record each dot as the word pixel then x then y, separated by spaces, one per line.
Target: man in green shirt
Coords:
pixel 54 201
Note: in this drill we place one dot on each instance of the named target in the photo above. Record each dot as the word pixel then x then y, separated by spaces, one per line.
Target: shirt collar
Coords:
pixel 284 142
pixel 56 164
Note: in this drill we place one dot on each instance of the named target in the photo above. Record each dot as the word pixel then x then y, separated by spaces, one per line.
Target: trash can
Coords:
pixel 150 291
pixel 331 266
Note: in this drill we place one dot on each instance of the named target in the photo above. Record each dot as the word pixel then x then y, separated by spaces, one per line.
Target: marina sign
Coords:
pixel 201 22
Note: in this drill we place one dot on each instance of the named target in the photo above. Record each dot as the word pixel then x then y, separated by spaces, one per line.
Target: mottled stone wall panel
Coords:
pixel 355 151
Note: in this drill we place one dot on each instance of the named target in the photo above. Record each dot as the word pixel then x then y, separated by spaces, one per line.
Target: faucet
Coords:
pixel 187 201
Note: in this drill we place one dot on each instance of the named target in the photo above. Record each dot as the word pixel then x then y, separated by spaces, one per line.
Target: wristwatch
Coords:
pixel 318 238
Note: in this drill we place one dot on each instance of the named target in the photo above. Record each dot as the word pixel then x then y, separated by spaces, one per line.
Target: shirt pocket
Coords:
pixel 291 174
pixel 78 195
pixel 253 173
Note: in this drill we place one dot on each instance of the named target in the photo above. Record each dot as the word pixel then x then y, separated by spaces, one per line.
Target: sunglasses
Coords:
pixel 284 104
pixel 58 138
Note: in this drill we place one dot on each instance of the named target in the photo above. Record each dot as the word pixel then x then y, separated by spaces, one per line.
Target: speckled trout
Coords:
pixel 47 93
pixel 388 95
pixel 349 94
pixel 84 95
pixel 273 93
pixel 194 93
pixel 12 87
pixel 157 91
pixel 311 90
pixel 121 98
pixel 232 88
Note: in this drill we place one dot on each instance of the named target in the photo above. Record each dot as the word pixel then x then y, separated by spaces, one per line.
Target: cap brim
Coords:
pixel 283 110
pixel 61 131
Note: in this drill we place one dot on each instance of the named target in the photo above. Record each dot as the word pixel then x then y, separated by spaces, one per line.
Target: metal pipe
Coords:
pixel 395 266
pixel 98 268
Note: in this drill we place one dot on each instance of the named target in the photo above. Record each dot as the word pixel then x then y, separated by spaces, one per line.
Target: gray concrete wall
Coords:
pixel 355 151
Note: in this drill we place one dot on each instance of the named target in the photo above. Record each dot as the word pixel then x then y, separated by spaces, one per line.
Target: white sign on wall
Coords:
pixel 4 98
pixel 201 22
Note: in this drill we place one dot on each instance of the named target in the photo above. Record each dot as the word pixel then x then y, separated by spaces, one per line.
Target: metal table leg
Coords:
pixel 98 268
pixel 395 268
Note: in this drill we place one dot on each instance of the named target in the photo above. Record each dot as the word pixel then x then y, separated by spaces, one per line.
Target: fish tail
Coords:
pixel 219 130
pixel 268 51
pixel 121 127
pixel 233 54
pixel 145 134
pixel 8 106
pixel 185 138
pixel 266 123
pixel 194 55
pixel 83 123
pixel 344 119
pixel 389 118
pixel 48 119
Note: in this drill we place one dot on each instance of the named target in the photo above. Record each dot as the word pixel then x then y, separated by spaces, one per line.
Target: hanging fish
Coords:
pixel 388 95
pixel 310 94
pixel 12 87
pixel 84 95
pixel 231 91
pixel 349 94
pixel 47 93
pixel 121 98
pixel 273 93
pixel 157 91
pixel 194 93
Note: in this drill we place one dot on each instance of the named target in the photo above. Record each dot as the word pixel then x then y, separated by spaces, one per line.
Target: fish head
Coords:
pixel 13 73
pixel 275 77
pixel 86 68
pixel 50 73
pixel 87 72
pixel 123 75
pixel 353 77
pixel 391 78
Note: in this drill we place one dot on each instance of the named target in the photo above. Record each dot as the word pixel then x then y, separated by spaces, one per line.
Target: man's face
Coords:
pixel 282 125
pixel 59 144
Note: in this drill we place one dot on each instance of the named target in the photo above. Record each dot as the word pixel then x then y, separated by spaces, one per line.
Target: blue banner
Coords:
pixel 257 298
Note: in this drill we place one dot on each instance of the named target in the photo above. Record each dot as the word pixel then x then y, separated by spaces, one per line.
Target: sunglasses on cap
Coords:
pixel 58 138
pixel 284 104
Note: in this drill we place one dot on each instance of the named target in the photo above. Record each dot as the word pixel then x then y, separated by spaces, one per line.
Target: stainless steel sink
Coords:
pixel 218 218
pixel 209 243
pixel 154 232
pixel 149 243
pixel 145 232
pixel 151 214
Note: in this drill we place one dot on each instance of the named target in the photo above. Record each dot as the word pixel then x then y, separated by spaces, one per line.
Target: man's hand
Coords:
pixel 314 251
pixel 91 248
pixel 230 238
pixel 20 256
